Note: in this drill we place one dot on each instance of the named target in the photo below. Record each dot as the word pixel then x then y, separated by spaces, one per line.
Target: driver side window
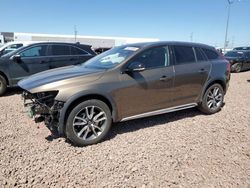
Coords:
pixel 36 51
pixel 154 57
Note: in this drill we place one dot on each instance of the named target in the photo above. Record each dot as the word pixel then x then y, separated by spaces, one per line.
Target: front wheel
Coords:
pixel 88 123
pixel 212 100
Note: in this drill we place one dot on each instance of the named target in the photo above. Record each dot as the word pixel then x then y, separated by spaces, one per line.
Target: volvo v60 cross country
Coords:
pixel 125 83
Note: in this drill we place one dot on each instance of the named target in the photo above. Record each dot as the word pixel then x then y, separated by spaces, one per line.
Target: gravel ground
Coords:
pixel 180 149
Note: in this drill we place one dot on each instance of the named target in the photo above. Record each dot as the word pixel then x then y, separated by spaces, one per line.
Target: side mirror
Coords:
pixel 136 67
pixel 16 58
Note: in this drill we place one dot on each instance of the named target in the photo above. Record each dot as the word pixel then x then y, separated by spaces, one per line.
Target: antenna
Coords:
pixel 75 32
pixel 191 36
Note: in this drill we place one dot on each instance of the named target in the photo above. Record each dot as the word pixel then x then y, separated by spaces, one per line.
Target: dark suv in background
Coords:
pixel 38 57
pixel 239 60
pixel 125 83
pixel 242 48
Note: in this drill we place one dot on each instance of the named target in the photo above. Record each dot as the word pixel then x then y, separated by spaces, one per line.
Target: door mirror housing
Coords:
pixel 16 58
pixel 136 67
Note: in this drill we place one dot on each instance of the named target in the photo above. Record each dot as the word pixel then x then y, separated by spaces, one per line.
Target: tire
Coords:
pixel 3 85
pixel 237 67
pixel 212 100
pixel 88 123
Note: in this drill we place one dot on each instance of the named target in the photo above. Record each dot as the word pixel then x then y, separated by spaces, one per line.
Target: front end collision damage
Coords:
pixel 43 107
pixel 46 93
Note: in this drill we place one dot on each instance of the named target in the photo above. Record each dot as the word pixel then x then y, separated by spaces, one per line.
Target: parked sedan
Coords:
pixel 38 57
pixel 239 60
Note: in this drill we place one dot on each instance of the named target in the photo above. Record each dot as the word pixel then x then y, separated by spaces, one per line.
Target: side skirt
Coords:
pixel 162 111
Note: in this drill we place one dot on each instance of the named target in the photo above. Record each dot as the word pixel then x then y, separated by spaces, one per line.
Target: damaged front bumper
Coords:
pixel 43 107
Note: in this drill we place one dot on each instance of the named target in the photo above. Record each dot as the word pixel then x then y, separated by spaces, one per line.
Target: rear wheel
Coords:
pixel 3 85
pixel 88 123
pixel 237 67
pixel 212 100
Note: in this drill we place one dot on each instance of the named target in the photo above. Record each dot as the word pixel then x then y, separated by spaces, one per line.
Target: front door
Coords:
pixel 148 90
pixel 33 60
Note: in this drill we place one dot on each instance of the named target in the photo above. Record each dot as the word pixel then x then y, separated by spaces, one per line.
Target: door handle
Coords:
pixel 202 71
pixel 42 62
pixel 164 78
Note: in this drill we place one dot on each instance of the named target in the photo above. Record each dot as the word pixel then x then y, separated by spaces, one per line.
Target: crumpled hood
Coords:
pixel 59 77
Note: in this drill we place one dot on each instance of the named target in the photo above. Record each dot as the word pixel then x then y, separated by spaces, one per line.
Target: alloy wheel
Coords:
pixel 238 68
pixel 89 123
pixel 214 98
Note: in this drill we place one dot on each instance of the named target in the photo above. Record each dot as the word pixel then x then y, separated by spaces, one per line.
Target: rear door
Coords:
pixel 59 55
pixel 79 55
pixel 33 60
pixel 247 63
pixel 191 72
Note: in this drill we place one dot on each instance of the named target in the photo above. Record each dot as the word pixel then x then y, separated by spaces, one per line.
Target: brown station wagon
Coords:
pixel 125 83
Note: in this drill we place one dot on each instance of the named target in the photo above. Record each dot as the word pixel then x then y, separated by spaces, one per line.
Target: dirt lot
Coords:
pixel 180 149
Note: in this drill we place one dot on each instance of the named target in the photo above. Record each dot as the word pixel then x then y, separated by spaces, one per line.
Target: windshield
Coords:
pixel 111 58
pixel 234 54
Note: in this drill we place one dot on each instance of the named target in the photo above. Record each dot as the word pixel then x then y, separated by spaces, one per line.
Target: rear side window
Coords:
pixel 211 55
pixel 77 51
pixel 199 55
pixel 184 54
pixel 60 50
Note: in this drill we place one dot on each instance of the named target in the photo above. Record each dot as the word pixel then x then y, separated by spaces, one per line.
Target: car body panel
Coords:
pixel 146 91
pixel 189 81
pixel 61 77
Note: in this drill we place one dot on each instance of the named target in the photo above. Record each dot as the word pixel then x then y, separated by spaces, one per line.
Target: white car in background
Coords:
pixel 11 46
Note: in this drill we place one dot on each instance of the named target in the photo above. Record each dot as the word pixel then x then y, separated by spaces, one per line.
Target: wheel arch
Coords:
pixel 216 81
pixel 233 66
pixel 5 77
pixel 71 103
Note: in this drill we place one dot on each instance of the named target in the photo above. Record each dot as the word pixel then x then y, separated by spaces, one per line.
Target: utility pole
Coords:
pixel 230 2
pixel 228 16
pixel 75 32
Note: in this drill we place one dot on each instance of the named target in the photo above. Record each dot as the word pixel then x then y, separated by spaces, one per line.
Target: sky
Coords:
pixel 201 21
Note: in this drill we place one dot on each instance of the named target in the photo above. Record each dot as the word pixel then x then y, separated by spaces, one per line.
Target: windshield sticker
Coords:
pixel 134 49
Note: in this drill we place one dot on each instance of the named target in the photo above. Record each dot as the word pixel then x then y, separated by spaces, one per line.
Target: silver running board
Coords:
pixel 162 111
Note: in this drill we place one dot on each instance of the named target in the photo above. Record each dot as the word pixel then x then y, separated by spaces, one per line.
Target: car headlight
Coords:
pixel 46 95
